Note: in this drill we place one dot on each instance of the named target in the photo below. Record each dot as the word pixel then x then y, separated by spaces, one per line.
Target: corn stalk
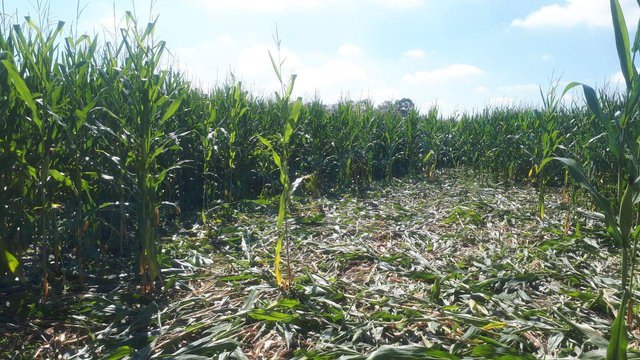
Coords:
pixel 290 114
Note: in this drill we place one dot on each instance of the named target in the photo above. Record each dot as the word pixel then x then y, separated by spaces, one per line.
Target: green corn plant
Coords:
pixel 15 178
pixel 393 126
pixel 318 158
pixel 546 142
pixel 597 143
pixel 366 140
pixel 360 142
pixel 622 142
pixel 76 72
pixel 345 119
pixel 238 109
pixel 236 112
pixel 290 114
pixel 517 143
pixel 357 147
pixel 32 76
pixel 208 137
pixel 114 141
pixel 412 150
pixel 428 142
pixel 148 109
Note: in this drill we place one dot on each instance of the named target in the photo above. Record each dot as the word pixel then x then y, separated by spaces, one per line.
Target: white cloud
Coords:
pixel 104 24
pixel 415 54
pixel 616 81
pixel 109 21
pixel 382 93
pixel 333 72
pixel 519 88
pixel 196 61
pixel 225 40
pixel 260 5
pixel 569 99
pixel 349 50
pixel 454 71
pixel 399 4
pixel 254 60
pixel 481 89
pixel 546 57
pixel 593 13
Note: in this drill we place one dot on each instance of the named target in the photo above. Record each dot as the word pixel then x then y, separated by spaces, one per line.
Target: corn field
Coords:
pixel 107 153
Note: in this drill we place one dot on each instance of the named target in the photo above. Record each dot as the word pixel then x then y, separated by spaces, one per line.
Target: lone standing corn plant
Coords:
pixel 623 144
pixel 548 140
pixel 290 113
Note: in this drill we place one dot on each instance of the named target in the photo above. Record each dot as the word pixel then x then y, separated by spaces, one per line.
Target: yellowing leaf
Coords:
pixel 11 261
pixel 494 325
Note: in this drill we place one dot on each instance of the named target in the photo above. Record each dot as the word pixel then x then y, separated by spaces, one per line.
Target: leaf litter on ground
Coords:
pixel 446 268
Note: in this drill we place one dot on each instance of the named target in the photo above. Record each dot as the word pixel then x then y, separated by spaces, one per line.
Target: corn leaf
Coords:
pixel 23 90
pixel 282 210
pixel 278 259
pixel 61 178
pixel 589 332
pixel 276 157
pixel 591 97
pixel 276 68
pixel 578 175
pixel 272 316
pixel 622 43
pixel 292 81
pixel 295 110
pixel 12 262
pixel 617 349
pixel 120 353
pixel 409 352
pixel 172 109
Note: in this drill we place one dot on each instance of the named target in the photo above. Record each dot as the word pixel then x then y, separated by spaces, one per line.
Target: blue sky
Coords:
pixel 461 54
